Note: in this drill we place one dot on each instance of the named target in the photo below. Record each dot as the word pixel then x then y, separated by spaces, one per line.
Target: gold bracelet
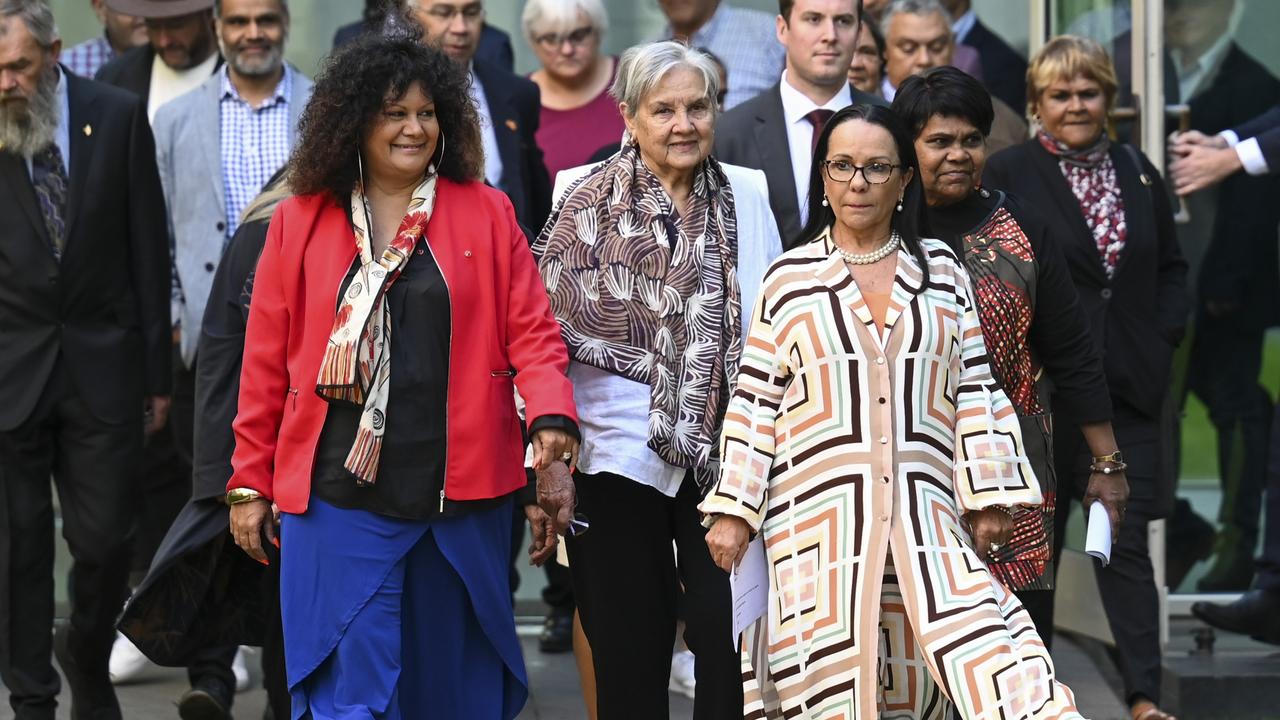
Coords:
pixel 235 496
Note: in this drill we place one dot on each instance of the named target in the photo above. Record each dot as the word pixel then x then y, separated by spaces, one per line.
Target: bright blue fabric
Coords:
pixel 397 619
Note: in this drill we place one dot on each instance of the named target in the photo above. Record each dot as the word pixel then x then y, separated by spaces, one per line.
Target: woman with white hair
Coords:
pixel 648 261
pixel 578 115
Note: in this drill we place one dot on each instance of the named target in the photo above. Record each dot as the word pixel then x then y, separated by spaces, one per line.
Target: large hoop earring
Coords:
pixel 434 165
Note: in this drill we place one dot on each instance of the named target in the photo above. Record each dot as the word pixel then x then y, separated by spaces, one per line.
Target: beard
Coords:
pixel 258 66
pixel 28 124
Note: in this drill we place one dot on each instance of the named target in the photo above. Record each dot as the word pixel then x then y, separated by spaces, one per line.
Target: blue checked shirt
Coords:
pixel 85 59
pixel 255 143
pixel 746 41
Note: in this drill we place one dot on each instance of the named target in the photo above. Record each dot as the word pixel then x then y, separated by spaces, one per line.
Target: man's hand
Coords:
pixel 552 445
pixel 557 495
pixel 1196 167
pixel 1180 142
pixel 727 541
pixel 543 532
pixel 156 411
pixel 249 520
pixel 988 527
pixel 1113 491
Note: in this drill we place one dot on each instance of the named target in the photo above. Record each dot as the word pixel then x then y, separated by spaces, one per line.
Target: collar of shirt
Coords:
pixel 795 105
pixel 1192 78
pixel 61 136
pixel 963 24
pixel 281 95
pixel 887 90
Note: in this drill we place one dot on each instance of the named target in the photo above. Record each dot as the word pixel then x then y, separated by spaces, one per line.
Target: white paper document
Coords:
pixel 1097 541
pixel 749 583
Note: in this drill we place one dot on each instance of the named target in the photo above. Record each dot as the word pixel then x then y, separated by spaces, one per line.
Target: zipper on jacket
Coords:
pixel 444 481
pixel 502 373
pixel 293 393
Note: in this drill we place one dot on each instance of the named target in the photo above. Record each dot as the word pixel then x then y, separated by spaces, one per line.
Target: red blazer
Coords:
pixel 500 319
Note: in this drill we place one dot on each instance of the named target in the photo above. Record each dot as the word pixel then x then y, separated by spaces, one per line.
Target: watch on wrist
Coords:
pixel 1114 457
pixel 235 496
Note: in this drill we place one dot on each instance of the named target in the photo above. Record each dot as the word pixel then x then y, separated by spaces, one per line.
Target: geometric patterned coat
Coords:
pixel 855 453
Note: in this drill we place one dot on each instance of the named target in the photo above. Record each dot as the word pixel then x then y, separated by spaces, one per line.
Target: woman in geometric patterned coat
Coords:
pixel 869 444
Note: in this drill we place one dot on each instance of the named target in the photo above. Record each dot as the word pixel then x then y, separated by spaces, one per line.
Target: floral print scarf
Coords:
pixel 1092 177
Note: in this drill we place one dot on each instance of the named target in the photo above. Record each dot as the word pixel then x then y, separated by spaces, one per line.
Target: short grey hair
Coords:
pixel 217 7
pixel 642 67
pixel 36 15
pixel 560 17
pixel 913 7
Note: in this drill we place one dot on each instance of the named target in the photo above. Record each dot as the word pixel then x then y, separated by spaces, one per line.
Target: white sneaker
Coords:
pixel 241 670
pixel 127 661
pixel 682 680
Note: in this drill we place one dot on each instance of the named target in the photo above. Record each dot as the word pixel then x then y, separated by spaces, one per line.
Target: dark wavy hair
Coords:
pixel 910 223
pixel 947 92
pixel 349 94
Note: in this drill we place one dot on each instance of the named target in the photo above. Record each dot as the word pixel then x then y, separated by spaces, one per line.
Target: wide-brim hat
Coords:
pixel 159 8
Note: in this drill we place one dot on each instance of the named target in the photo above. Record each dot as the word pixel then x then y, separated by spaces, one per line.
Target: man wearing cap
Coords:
pixel 85 338
pixel 181 54
pixel 120 33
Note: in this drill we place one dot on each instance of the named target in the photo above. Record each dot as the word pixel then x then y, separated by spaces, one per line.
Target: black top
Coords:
pixel 1059 334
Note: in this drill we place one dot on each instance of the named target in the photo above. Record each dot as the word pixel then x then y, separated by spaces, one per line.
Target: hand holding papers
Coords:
pixel 749 584
pixel 1097 540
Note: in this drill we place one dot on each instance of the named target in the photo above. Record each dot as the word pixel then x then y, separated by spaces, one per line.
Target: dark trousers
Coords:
pixel 1268 577
pixel 1226 361
pixel 1127 585
pixel 93 464
pixel 626 584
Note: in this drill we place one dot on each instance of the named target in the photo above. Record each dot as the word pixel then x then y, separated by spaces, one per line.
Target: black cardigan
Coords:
pixel 1138 316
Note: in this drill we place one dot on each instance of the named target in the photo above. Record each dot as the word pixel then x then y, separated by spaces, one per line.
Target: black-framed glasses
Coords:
pixel 577 38
pixel 842 171
pixel 579 525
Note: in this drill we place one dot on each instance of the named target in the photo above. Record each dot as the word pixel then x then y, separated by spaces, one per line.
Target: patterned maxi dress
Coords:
pixel 855 452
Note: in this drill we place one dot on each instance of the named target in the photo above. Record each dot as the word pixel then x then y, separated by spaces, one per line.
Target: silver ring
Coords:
pixel 995 547
pixel 567 455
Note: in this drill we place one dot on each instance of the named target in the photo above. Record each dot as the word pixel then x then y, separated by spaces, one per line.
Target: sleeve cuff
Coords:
pixel 555 422
pixel 1231 137
pixel 1251 157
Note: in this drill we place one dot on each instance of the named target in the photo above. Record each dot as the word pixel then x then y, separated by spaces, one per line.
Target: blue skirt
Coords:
pixel 387 618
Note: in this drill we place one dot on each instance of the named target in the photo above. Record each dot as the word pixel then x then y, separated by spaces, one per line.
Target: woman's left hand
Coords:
pixel 988 527
pixel 543 532
pixel 551 445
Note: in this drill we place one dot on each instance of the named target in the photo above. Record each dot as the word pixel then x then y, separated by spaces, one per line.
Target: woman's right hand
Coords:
pixel 249 521
pixel 727 540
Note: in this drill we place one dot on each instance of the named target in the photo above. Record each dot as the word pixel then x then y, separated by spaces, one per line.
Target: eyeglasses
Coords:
pixel 843 171
pixel 577 38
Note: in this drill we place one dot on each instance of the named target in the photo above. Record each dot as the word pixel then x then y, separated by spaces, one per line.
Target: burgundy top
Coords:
pixel 569 138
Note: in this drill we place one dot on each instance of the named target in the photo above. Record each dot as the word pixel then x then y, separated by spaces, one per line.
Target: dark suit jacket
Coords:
pixel 1004 71
pixel 1139 315
pixel 1265 127
pixel 105 307
pixel 1240 264
pixel 132 71
pixel 495 45
pixel 754 135
pixel 516 105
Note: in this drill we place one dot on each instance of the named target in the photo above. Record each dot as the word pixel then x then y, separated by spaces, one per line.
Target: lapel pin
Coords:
pixel 511 125
pixel 88 130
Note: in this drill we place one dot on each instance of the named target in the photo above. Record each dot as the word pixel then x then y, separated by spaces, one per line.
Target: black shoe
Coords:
pixel 1256 614
pixel 557 633
pixel 208 699
pixel 92 695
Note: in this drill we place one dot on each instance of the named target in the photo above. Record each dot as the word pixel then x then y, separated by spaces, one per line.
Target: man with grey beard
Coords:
pixel 216 147
pixel 84 327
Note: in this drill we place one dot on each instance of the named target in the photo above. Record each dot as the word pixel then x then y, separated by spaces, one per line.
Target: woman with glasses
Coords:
pixel 578 115
pixel 648 260
pixel 869 445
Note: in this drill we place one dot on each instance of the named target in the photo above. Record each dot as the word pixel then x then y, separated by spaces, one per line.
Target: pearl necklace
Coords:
pixel 874 256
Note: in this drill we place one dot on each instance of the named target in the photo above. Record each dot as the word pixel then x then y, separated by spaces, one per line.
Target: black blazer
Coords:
pixel 494 47
pixel 1138 316
pixel 1004 71
pixel 1265 127
pixel 516 105
pixel 104 309
pixel 132 71
pixel 754 135
pixel 1240 264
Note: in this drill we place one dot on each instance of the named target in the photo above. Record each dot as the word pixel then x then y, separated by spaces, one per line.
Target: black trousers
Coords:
pixel 1268 565
pixel 93 464
pixel 164 482
pixel 626 584
pixel 1127 585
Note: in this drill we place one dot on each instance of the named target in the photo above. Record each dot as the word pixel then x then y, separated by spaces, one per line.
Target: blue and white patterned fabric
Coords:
pixel 746 41
pixel 85 59
pixel 254 143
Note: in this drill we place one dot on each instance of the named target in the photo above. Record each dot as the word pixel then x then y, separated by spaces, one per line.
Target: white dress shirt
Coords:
pixel 1249 152
pixel 795 105
pixel 492 159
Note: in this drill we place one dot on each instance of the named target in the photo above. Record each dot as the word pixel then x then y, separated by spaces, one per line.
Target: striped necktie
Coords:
pixel 49 177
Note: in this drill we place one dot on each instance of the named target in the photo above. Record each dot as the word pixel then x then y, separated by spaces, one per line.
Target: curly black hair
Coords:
pixel 349 94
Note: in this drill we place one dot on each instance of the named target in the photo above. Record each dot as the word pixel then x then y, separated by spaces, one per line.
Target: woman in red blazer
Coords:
pixel 396 309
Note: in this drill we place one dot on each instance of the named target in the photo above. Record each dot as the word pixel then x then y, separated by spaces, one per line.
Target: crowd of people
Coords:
pixel 855 280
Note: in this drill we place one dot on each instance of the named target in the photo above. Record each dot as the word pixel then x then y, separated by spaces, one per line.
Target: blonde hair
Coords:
pixel 262 206
pixel 1066 57
pixel 561 16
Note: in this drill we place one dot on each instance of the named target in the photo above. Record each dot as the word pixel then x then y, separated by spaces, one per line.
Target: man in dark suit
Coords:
pixel 495 45
pixel 84 323
pixel 509 107
pixel 1004 71
pixel 777 130
pixel 181 51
